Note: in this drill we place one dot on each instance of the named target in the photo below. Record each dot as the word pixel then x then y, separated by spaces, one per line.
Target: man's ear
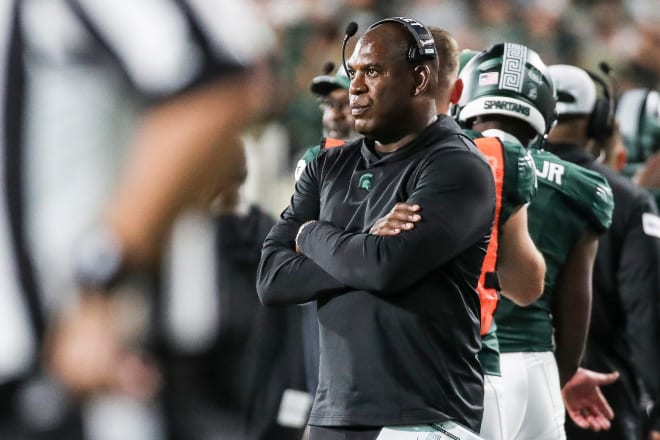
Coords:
pixel 456 91
pixel 422 75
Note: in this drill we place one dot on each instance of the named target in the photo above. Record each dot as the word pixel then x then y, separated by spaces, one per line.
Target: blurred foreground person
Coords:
pixel 230 365
pixel 98 82
pixel 32 405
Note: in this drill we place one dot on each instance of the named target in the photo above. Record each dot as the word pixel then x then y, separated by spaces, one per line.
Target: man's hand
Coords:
pixel 401 218
pixel 86 352
pixel 585 403
pixel 654 435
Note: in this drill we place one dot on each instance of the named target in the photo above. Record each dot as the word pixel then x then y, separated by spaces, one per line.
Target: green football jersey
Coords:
pixel 518 189
pixel 519 176
pixel 570 200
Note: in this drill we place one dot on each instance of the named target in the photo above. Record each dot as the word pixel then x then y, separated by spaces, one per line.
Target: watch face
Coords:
pixel 98 258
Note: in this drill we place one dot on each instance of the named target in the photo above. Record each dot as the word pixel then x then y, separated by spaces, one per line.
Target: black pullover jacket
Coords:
pixel 398 315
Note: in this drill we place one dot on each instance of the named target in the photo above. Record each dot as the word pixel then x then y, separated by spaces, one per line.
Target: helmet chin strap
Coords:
pixel 538 142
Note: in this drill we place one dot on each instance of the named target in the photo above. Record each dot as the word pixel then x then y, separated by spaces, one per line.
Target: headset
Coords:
pixel 601 119
pixel 424 48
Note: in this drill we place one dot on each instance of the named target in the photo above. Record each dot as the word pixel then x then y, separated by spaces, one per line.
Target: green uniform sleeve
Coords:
pixel 519 178
pixel 587 190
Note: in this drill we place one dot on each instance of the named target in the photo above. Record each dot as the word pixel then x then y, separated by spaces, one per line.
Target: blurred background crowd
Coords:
pixel 206 360
pixel 623 33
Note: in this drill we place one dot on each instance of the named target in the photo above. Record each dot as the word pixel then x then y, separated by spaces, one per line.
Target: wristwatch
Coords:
pixel 299 232
pixel 98 259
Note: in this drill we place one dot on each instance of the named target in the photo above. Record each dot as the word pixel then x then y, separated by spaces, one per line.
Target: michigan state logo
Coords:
pixel 365 181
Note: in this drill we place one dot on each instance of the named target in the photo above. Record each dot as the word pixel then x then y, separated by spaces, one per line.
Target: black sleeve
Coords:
pixel 285 277
pixel 639 280
pixel 456 193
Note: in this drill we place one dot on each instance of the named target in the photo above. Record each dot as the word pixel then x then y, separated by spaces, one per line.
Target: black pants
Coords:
pixel 343 433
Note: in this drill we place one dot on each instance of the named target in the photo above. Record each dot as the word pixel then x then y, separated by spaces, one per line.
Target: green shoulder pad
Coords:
pixel 519 175
pixel 520 166
pixel 472 134
pixel 306 158
pixel 586 189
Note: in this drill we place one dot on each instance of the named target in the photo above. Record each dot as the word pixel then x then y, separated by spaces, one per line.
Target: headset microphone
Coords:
pixel 351 29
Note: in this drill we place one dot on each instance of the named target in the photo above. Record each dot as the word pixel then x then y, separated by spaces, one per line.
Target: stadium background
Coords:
pixel 624 33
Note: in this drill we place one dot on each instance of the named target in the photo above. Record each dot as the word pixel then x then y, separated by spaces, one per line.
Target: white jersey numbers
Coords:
pixel 551 171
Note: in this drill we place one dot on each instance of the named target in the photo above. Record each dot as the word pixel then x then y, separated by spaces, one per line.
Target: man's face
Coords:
pixel 381 85
pixel 337 120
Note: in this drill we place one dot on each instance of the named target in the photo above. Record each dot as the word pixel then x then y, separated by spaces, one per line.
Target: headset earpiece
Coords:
pixel 412 54
pixel 601 118
pixel 599 125
pixel 424 48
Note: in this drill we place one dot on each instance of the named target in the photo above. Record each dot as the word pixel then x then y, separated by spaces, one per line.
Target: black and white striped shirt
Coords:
pixel 74 75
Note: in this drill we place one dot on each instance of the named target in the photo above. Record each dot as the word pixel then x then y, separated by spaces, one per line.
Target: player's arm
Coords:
pixel 520 266
pixel 184 142
pixel 285 276
pixel 206 86
pixel 180 149
pixel 456 194
pixel 571 305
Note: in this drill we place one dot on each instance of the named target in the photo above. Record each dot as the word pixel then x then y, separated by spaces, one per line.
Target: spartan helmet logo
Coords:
pixel 365 181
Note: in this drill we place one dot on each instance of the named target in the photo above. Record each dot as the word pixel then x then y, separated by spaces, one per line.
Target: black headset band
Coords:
pixel 605 85
pixel 602 119
pixel 424 44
